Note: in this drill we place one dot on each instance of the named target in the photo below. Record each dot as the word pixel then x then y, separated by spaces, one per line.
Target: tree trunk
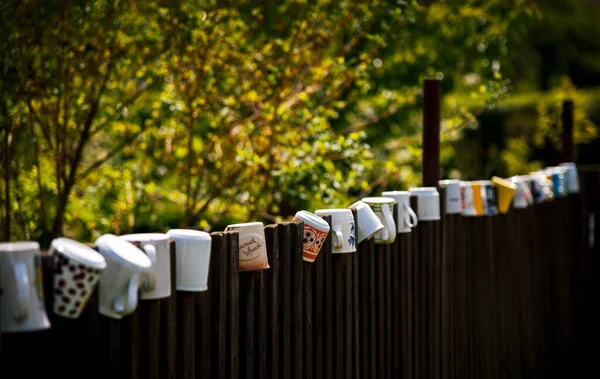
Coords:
pixel 59 220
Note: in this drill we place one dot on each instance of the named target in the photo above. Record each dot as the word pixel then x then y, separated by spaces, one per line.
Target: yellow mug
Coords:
pixel 506 192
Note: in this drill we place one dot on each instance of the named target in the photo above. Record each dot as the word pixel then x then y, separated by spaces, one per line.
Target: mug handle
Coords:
pixel 132 294
pixel 125 304
pixel 387 233
pixel 338 237
pixel 23 285
pixel 150 278
pixel 413 216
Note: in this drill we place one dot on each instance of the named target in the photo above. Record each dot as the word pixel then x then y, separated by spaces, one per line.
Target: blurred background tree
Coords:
pixel 122 116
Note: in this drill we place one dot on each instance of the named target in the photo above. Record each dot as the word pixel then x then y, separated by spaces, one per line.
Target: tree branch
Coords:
pixel 124 143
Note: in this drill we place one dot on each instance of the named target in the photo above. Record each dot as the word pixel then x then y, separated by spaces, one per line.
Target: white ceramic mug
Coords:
pixel 520 200
pixel 22 306
pixel 192 248
pixel 428 201
pixel 121 279
pixel 452 199
pixel 489 201
pixel 466 190
pixel 157 283
pixel 368 222
pixel 342 230
pixel 573 176
pixel 407 218
pixel 77 269
pixel 315 233
pixel 383 208
pixel 252 245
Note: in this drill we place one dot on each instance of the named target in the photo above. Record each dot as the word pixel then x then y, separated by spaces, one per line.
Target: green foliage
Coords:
pixel 131 116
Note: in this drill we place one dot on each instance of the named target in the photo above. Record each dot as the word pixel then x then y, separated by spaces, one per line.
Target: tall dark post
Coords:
pixel 568 146
pixel 432 94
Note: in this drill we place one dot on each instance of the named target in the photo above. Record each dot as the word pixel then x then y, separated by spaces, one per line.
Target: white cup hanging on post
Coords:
pixel 384 208
pixel 368 222
pixel 342 229
pixel 192 251
pixel 407 218
pixel 452 197
pixel 428 200
pixel 22 307
pixel 157 283
pixel 121 280
pixel 573 176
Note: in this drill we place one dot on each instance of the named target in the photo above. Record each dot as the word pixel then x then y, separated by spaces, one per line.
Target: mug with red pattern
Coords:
pixel 77 269
pixel 315 232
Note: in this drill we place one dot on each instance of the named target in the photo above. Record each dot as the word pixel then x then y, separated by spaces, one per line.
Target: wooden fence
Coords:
pixel 509 296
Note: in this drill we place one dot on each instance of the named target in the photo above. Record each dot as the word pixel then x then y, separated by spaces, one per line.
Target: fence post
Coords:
pixel 568 147
pixel 432 95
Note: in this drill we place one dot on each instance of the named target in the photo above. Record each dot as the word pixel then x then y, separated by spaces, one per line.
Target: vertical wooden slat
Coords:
pixel 328 279
pixel 338 270
pixel 285 276
pixel 296 261
pixel 373 308
pixel 261 325
pixel 356 354
pixel 317 268
pixel 186 334
pixel 273 300
pixel 205 317
pixel 247 316
pixel 307 293
pixel 233 287
pixel 168 321
pixel 218 279
pixel 364 299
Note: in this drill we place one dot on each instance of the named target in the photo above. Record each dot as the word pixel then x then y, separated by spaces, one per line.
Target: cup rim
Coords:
pixel 424 191
pixel 334 211
pixel 312 219
pixel 124 250
pixel 445 182
pixel 189 234
pixel 9 247
pixel 394 193
pixel 245 224
pixel 78 252
pixel 145 237
pixel 378 200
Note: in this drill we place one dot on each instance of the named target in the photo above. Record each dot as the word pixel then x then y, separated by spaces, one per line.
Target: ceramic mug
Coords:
pixel 452 196
pixel 22 306
pixel 252 245
pixel 466 193
pixel 368 222
pixel 383 208
pixel 192 249
pixel 573 176
pixel 157 283
pixel 342 229
pixel 478 198
pixel 558 179
pixel 489 198
pixel 77 269
pixel 527 186
pixel 506 192
pixel 315 232
pixel 121 279
pixel 542 187
pixel 520 198
pixel 407 218
pixel 428 203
